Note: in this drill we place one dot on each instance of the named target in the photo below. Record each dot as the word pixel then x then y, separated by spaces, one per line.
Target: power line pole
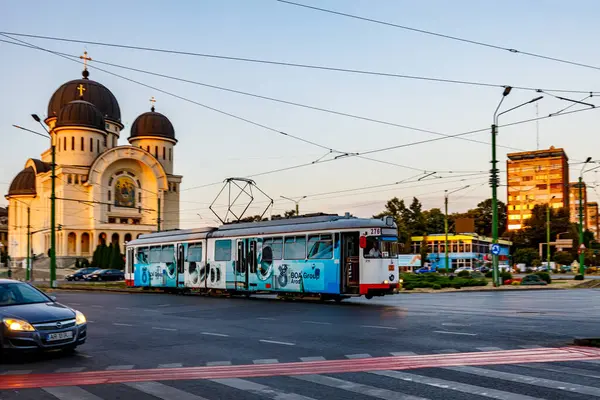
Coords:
pixel 28 271
pixel 581 249
pixel 158 220
pixel 446 263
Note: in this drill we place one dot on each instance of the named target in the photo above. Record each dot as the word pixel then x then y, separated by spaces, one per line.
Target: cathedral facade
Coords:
pixel 105 193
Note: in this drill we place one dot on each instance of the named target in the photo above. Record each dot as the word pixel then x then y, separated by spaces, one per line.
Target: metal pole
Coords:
pixel 159 212
pixel 27 272
pixel 548 235
pixel 297 209
pixel 446 230
pixel 494 183
pixel 582 252
pixel 53 219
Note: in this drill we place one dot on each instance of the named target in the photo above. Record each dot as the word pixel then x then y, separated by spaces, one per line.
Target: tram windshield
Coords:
pixel 381 247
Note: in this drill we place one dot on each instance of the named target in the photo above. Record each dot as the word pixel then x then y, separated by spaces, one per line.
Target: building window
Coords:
pixel 91 145
pixel 82 144
pixel 170 154
pixel 140 197
pixel 69 179
pixel 156 151
pixel 105 141
pixel 109 195
pixel 148 149
pixel 72 142
pixel 175 187
pixel 164 153
pixel 98 146
pixel 76 179
pixel 65 144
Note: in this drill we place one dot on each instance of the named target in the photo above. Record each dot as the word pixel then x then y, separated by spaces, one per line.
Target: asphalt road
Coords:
pixel 132 332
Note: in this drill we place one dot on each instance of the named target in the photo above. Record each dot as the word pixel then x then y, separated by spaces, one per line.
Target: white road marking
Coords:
pixel 355 356
pixel 379 327
pixel 17 372
pixel 172 365
pixel 316 322
pixel 119 367
pixel 97 306
pixel 214 334
pixel 356 387
pixel 260 390
pixel 90 322
pixel 531 346
pixel 149 310
pixel 163 305
pixel 83 354
pixel 266 361
pixel 276 342
pixel 163 391
pixel 529 380
pixel 403 353
pixel 454 324
pixel 449 385
pixel 267 318
pixel 121 324
pixel 307 359
pixel 456 333
pixel 75 304
pixel 164 329
pixel 559 368
pixel 123 308
pixel 66 370
pixel 218 363
pixel 489 348
pixel 70 393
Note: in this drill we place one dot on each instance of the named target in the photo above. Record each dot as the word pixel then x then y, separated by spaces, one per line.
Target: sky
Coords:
pixel 214 146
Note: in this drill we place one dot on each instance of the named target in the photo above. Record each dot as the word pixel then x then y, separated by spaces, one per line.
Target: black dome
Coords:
pixel 152 124
pixel 24 183
pixel 80 113
pixel 94 93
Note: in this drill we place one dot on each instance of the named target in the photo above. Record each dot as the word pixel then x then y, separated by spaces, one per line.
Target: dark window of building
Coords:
pixel 105 141
pixel 164 153
pixel 111 220
pixel 65 144
pixel 170 154
pixel 148 149
pixel 72 142
pixel 542 186
pixel 109 195
pixel 91 145
pixel 98 146
pixel 69 179
pixel 82 144
pixel 156 151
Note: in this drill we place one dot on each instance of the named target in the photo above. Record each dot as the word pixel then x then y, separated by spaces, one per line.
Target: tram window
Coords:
pixel 167 254
pixel 194 253
pixel 295 248
pixel 276 246
pixel 320 247
pixel 223 250
pixel 142 255
pixel 155 254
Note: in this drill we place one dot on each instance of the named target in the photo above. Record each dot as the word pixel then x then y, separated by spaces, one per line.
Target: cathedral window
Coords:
pixel 72 142
pixel 156 151
pixel 76 180
pixel 65 144
pixel 109 195
pixel 69 179
pixel 82 144
pixel 148 149
pixel 98 146
pixel 91 145
pixel 140 197
pixel 105 141
pixel 170 154
pixel 164 153
pixel 175 187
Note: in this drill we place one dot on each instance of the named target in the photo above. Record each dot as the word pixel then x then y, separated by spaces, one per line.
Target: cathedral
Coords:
pixel 105 193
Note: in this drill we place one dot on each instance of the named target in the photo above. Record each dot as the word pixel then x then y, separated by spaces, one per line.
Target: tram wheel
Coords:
pixel 368 296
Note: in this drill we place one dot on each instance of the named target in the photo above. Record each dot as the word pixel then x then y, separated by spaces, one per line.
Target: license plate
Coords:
pixel 60 336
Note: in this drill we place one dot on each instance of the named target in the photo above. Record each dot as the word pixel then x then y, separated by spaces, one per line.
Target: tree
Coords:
pixel 525 256
pixel 116 258
pixel 563 258
pixel 397 209
pixel 434 220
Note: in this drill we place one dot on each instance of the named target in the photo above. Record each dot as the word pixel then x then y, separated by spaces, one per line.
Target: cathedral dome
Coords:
pixel 152 124
pixel 87 90
pixel 23 184
pixel 80 113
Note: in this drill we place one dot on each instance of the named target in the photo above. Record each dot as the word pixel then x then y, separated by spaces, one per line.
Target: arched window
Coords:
pixel 72 142
pixel 72 244
pixel 115 241
pixel 91 145
pixel 127 237
pixel 82 144
pixel 102 238
pixel 85 243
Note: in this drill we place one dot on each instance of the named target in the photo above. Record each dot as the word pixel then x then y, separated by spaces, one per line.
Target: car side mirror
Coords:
pixel 53 298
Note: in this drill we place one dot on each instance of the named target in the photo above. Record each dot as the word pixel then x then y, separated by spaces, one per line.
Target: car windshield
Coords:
pixel 381 247
pixel 15 293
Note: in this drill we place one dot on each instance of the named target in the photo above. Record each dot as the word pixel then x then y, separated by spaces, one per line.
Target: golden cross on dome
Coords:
pixel 81 90
pixel 152 101
pixel 85 59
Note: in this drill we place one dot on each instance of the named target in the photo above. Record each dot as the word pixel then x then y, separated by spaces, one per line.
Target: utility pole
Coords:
pixel 158 220
pixel 28 271
pixel 581 250
pixel 446 260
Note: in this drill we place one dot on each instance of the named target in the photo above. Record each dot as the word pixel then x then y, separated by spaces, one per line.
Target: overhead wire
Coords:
pixel 441 35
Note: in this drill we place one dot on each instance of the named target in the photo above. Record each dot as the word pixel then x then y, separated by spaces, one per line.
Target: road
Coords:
pixel 414 346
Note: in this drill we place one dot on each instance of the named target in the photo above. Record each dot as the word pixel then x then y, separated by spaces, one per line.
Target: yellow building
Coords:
pixel 592 218
pixel 574 199
pixel 105 193
pixel 535 177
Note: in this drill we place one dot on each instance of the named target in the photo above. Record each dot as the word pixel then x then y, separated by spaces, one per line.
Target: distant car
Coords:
pixel 32 321
pixel 469 269
pixel 533 280
pixel 484 270
pixel 106 275
pixel 565 268
pixel 542 268
pixel 80 274
pixel 424 270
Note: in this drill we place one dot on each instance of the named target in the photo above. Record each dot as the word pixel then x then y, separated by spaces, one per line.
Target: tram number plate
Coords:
pixel 375 231
pixel 60 336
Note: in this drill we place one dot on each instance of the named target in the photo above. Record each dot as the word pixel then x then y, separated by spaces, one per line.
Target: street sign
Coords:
pixel 495 249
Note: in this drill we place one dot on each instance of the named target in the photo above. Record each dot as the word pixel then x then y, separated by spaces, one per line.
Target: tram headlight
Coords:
pixel 386 282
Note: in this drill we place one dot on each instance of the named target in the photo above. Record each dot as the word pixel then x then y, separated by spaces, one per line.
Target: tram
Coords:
pixel 326 256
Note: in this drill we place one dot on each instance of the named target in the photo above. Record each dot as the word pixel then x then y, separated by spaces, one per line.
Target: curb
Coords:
pixel 588 342
pixel 487 290
pixel 91 289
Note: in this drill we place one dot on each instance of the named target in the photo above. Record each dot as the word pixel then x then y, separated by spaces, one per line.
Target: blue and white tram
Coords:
pixel 329 256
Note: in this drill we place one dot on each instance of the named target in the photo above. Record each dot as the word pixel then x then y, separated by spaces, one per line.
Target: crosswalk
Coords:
pixel 529 381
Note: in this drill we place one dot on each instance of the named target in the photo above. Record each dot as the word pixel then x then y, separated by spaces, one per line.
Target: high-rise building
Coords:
pixel 535 177
pixel 592 218
pixel 574 199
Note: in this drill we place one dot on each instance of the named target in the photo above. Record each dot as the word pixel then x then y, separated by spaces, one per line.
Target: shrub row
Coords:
pixel 436 282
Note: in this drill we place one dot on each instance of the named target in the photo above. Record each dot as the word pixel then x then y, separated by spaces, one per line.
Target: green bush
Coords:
pixel 436 286
pixel 442 270
pixel 77 264
pixel 505 275
pixel 578 277
pixel 544 276
pixel 464 274
pixel 489 274
pixel 457 286
pixel 85 263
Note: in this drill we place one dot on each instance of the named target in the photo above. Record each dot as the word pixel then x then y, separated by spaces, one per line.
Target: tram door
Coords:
pixel 246 264
pixel 350 267
pixel 180 265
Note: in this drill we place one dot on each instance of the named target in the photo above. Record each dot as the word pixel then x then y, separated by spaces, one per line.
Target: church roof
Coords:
pixel 40 166
pixel 23 184
pixel 80 113
pixel 89 91
pixel 152 124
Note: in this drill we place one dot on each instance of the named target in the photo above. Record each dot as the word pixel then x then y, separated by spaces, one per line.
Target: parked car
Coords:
pixel 424 270
pixel 565 268
pixel 543 268
pixel 80 274
pixel 484 270
pixel 106 275
pixel 468 269
pixel 32 321
pixel 533 280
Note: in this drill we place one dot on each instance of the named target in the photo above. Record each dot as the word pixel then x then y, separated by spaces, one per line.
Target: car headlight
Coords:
pixel 18 325
pixel 80 318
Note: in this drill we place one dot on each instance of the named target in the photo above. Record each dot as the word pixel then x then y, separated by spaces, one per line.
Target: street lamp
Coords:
pixel 446 223
pixel 494 180
pixel 581 249
pixel 295 201
pixel 548 232
pixel 52 205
